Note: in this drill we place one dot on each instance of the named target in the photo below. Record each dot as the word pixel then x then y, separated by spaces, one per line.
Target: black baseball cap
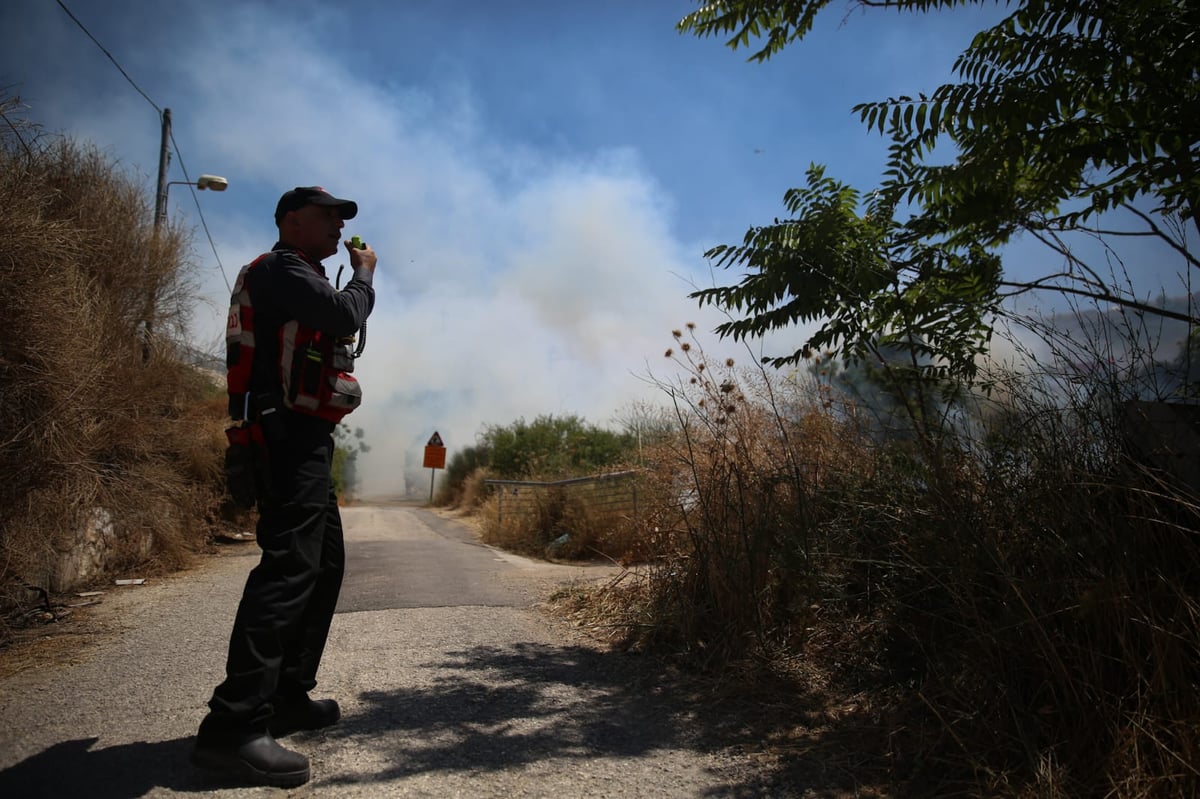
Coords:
pixel 301 196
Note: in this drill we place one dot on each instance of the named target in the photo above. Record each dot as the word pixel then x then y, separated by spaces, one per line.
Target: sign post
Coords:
pixel 435 458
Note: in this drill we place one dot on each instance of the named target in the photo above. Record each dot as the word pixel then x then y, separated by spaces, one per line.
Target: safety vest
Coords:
pixel 313 368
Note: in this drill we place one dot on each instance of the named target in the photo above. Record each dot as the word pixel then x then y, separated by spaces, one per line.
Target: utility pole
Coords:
pixel 160 212
pixel 164 160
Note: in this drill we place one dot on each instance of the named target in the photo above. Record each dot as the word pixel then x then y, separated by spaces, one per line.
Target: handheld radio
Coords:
pixel 357 243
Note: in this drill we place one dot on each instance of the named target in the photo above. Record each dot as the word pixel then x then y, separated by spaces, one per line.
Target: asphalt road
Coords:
pixel 453 683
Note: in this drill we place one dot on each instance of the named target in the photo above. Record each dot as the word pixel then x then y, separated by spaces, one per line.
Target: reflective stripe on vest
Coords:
pixel 312 372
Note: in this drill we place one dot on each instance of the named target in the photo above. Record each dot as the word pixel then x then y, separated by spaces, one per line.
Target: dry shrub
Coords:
pixel 731 523
pixel 509 531
pixel 577 519
pixel 617 530
pixel 586 528
pixel 474 490
pixel 1016 604
pixel 598 517
pixel 101 419
pixel 523 519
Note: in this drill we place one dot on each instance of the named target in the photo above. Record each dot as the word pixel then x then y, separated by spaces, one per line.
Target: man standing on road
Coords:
pixel 292 352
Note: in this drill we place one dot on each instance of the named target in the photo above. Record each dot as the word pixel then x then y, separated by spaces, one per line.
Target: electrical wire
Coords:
pixel 174 145
pixel 203 223
pixel 74 19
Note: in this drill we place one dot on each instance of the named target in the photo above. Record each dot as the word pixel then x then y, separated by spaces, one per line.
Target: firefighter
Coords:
pixel 289 374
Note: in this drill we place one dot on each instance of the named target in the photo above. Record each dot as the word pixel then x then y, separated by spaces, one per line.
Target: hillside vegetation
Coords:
pixel 110 444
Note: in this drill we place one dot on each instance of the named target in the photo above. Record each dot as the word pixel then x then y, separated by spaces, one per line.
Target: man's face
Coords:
pixel 315 229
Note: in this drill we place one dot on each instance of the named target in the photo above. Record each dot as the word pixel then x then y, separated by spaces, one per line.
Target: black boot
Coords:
pixel 302 713
pixel 249 755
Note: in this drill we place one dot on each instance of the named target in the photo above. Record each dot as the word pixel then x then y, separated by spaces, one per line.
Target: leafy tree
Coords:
pixel 552 446
pixel 1067 114
pixel 347 444
pixel 463 463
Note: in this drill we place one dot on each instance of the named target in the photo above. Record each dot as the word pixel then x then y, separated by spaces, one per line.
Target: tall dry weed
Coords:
pixel 99 418
pixel 734 498
pixel 585 518
pixel 1013 599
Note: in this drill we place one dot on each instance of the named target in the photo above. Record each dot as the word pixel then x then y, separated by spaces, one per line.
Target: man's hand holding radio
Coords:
pixel 361 255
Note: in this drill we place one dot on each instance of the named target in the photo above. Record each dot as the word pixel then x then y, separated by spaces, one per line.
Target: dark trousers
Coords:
pixel 288 603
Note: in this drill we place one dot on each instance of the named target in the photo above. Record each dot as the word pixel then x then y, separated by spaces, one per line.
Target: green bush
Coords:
pixel 553 447
pixel 459 468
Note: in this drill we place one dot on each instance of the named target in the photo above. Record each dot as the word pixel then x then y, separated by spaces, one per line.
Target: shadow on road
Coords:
pixel 74 768
pixel 495 709
pixel 490 710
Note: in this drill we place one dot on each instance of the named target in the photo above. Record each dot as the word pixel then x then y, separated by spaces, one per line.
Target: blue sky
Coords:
pixel 539 178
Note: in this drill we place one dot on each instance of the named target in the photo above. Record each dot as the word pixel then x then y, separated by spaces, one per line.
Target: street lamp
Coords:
pixel 214 182
pixel 211 182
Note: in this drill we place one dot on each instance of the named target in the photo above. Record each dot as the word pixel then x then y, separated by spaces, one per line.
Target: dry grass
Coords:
pixel 586 520
pixel 1007 608
pixel 102 423
pixel 516 532
pixel 474 490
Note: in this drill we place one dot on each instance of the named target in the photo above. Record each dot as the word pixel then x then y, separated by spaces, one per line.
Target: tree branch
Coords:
pixel 1179 248
pixel 1103 296
pixel 1058 245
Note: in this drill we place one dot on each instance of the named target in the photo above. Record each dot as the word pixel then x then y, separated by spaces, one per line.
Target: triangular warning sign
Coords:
pixel 435 440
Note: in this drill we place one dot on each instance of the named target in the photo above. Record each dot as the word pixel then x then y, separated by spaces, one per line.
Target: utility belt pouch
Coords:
pixel 343 356
pixel 345 393
pixel 246 464
pixel 315 374
pixel 318 386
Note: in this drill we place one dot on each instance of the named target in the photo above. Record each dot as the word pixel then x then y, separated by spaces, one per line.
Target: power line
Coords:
pixel 63 6
pixel 174 145
pixel 203 223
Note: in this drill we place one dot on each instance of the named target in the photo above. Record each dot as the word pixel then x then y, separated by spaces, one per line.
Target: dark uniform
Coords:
pixel 289 599
pixel 287 606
